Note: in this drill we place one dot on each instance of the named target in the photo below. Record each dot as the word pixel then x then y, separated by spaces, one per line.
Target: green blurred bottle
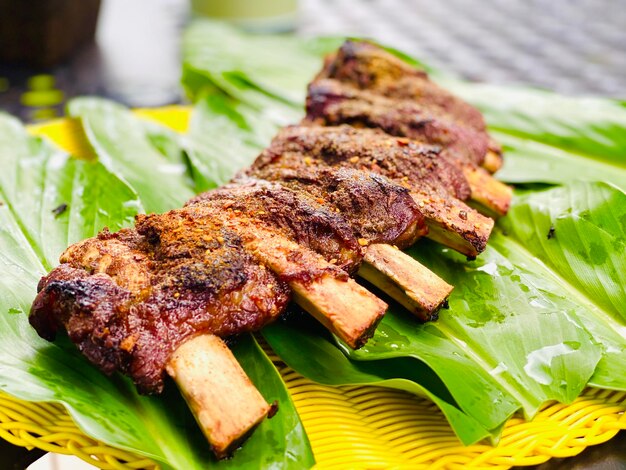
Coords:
pixel 255 15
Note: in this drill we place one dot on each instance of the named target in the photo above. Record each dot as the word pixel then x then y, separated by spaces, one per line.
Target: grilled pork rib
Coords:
pixel 318 205
pixel 434 183
pixel 331 103
pixel 366 66
pixel 128 299
pixel 300 218
pixel 378 210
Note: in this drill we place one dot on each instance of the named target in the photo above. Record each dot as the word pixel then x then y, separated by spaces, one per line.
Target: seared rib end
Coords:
pixel 488 192
pixel 493 160
pixel 344 307
pixel 471 240
pixel 407 281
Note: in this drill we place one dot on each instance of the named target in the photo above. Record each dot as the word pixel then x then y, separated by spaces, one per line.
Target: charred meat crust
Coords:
pixel 404 161
pixel 187 288
pixel 377 209
pixel 331 102
pixel 300 218
pixel 368 66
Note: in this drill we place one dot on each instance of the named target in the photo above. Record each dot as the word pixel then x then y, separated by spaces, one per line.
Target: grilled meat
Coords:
pixel 128 299
pixel 406 161
pixel 366 66
pixel 378 210
pixel 432 181
pixel 299 217
pixel 319 204
pixel 331 102
pixel 370 67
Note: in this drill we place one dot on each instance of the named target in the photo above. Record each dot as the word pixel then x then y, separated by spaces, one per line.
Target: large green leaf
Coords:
pixel 552 138
pixel 531 161
pixel 579 234
pixel 123 145
pixel 37 179
pixel 316 357
pixel 215 156
pixel 58 200
pixel 515 322
pixel 588 127
pixel 216 50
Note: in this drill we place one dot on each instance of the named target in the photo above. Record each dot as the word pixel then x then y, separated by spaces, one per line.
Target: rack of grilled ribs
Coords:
pixel 424 108
pixel 365 86
pixel 131 300
pixel 437 186
pixel 319 205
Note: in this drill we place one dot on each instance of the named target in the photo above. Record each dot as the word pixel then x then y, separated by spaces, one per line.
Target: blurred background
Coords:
pixel 52 50
pixel 128 50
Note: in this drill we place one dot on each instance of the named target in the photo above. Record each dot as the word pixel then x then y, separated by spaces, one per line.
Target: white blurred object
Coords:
pixel 60 462
pixel 140 60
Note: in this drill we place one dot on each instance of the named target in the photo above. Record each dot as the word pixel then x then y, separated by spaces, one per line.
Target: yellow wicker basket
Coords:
pixel 349 427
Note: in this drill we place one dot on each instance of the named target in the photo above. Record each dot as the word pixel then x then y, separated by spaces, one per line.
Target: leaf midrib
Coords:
pixel 582 299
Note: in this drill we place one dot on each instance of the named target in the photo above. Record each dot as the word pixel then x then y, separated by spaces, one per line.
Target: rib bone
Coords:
pixel 347 309
pixel 487 191
pixel 411 284
pixel 225 403
pixel 493 161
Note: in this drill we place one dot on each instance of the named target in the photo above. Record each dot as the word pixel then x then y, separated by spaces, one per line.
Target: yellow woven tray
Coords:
pixel 349 427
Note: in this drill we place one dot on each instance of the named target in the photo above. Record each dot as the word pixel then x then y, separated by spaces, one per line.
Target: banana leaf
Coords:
pixel 212 49
pixel 124 147
pixel 578 232
pixel 316 356
pixel 49 200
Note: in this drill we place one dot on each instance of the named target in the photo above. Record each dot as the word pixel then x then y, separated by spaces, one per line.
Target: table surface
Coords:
pixel 573 47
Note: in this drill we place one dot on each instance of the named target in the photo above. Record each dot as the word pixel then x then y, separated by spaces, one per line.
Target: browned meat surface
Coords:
pixel 128 299
pixel 435 184
pixel 331 102
pixel 370 67
pixel 299 217
pixel 367 66
pixel 378 210
pixel 406 161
